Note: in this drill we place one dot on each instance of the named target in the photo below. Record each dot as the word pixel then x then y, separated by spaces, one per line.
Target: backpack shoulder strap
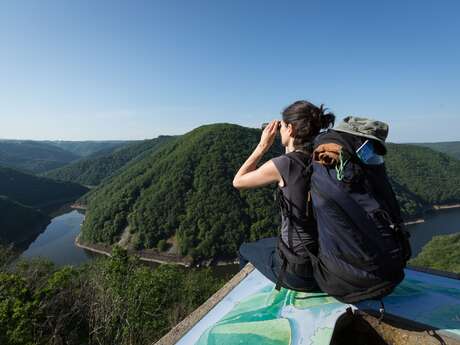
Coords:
pixel 341 198
pixel 300 157
pixel 305 161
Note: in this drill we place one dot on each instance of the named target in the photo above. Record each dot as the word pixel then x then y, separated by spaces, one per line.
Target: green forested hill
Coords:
pixel 18 223
pixel 185 189
pixel 432 176
pixel 441 253
pixel 451 148
pixel 33 156
pixel 88 147
pixel 411 204
pixel 100 165
pixel 37 192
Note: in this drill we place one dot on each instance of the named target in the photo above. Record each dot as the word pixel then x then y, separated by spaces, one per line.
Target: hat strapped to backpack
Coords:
pixel 367 128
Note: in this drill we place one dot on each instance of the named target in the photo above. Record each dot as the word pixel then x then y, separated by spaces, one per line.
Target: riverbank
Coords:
pixel 150 255
pixel 434 208
pixel 153 256
pixel 144 255
pixel 445 207
pixel 415 221
pixel 78 206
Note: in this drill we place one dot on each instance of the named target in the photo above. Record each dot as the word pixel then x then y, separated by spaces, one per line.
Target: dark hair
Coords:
pixel 308 120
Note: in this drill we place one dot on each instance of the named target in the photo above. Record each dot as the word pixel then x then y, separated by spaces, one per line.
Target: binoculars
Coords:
pixel 265 124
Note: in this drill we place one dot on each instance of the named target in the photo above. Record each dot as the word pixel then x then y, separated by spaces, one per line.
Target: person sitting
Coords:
pixel 301 122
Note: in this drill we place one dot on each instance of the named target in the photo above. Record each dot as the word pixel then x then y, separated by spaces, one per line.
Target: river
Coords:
pixel 440 222
pixel 56 243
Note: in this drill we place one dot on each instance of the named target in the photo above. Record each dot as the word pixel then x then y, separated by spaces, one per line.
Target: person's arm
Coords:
pixel 250 177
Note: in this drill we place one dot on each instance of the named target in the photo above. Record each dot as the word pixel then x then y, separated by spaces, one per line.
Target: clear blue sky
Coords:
pixel 136 69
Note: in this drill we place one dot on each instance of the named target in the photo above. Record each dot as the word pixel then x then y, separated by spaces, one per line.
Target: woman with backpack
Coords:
pixel 285 260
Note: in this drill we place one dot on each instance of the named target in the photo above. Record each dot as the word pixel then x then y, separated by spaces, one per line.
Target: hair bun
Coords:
pixel 308 120
pixel 326 118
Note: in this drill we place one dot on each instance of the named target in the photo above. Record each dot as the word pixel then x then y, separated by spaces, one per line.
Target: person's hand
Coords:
pixel 268 135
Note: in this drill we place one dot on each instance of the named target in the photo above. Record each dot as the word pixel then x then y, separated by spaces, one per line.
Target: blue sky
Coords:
pixel 81 70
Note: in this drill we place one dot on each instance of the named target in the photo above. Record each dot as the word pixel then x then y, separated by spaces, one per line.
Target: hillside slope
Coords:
pixel 184 193
pixel 19 224
pixel 87 147
pixel 432 176
pixel 100 165
pixel 186 189
pixel 450 148
pixel 33 156
pixel 441 253
pixel 37 192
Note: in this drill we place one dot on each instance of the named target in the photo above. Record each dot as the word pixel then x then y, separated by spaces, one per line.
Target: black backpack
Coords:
pixel 363 245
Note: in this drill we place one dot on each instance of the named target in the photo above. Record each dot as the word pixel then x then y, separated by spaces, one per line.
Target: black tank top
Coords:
pixel 295 193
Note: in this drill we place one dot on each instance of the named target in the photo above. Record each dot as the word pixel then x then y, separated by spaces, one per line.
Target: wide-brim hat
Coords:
pixel 364 127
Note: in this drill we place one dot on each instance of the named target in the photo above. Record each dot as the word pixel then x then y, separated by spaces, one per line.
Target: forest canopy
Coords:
pixel 441 253
pixel 94 169
pixel 106 301
pixel 184 191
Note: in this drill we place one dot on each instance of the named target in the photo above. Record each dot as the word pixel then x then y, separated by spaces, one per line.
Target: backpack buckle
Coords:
pixel 382 218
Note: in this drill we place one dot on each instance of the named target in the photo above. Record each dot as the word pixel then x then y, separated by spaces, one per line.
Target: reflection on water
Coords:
pixel 56 243
pixel 442 222
pixel 24 243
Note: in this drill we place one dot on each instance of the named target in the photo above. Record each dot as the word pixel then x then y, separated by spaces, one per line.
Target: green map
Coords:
pixel 255 313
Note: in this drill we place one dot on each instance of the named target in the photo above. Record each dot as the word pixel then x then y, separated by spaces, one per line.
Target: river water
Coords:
pixel 441 222
pixel 57 241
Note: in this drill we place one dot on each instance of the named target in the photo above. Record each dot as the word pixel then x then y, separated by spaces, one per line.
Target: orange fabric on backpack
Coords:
pixel 327 154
